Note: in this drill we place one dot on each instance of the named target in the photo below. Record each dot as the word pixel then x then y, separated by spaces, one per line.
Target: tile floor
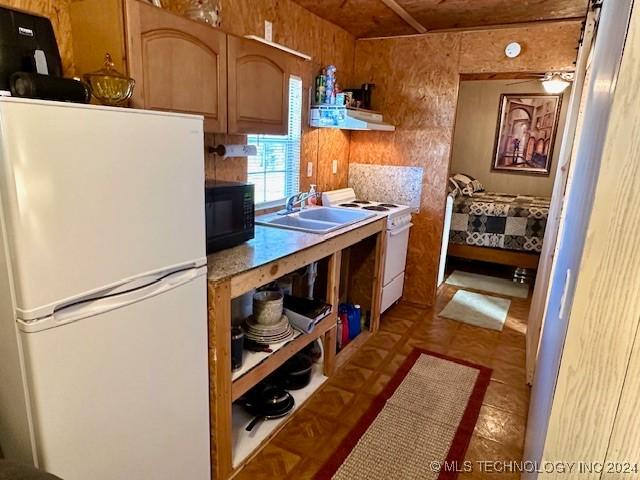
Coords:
pixel 305 443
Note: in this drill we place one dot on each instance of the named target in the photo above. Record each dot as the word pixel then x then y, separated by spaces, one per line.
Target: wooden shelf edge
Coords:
pixel 254 278
pixel 352 347
pixel 243 384
pixel 279 46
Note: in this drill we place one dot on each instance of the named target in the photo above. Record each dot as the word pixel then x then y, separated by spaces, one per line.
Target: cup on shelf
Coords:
pixel 267 307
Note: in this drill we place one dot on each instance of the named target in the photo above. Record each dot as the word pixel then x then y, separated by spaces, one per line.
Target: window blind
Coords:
pixel 275 170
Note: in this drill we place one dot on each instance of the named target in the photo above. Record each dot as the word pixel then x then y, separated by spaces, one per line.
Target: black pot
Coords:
pixel 295 373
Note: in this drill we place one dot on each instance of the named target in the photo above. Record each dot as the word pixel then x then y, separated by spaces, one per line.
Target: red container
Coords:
pixel 345 328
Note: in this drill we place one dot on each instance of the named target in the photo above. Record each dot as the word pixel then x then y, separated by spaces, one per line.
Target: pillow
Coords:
pixel 466 184
pixel 453 188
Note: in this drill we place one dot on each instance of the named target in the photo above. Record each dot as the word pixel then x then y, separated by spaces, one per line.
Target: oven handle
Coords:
pixel 393 233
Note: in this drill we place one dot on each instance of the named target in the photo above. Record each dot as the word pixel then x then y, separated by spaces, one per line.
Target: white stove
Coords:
pixel 397 215
pixel 397 238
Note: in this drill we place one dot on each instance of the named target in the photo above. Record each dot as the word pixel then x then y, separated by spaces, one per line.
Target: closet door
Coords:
pixel 258 87
pixel 178 64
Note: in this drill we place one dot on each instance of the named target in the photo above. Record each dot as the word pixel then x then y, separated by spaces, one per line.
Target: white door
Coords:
pixel 124 394
pixel 94 197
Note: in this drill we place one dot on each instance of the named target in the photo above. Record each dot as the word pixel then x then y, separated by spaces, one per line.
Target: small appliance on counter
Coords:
pixel 230 214
pixel 30 64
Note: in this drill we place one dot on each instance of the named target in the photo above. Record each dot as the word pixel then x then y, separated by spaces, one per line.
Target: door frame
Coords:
pixel 567 156
pixel 572 235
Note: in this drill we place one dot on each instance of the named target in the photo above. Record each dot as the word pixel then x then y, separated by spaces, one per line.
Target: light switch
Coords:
pixel 268 31
pixel 334 167
pixel 309 169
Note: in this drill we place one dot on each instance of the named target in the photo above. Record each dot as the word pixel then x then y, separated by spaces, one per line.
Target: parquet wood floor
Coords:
pixel 311 436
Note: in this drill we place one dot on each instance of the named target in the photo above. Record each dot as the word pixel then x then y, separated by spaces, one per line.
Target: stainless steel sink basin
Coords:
pixel 318 220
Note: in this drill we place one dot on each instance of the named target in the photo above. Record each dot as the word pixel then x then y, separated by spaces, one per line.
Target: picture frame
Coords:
pixel 526 133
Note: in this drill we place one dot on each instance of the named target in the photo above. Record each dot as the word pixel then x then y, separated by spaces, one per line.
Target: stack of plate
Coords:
pixel 267 334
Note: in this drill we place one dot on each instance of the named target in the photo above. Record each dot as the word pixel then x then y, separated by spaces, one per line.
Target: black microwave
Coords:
pixel 230 214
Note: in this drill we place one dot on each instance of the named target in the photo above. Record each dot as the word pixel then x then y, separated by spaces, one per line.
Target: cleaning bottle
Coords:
pixel 354 321
pixel 344 317
pixel 313 196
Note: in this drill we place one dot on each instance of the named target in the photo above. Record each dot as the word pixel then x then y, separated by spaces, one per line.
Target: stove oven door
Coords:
pixel 396 256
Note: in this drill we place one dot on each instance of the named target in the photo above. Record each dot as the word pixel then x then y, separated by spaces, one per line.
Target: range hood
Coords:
pixel 347 118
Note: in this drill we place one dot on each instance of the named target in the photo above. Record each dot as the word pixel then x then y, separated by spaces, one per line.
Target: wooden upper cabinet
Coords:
pixel 178 65
pixel 258 87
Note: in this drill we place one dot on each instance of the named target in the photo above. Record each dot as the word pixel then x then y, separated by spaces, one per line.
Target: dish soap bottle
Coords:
pixel 313 196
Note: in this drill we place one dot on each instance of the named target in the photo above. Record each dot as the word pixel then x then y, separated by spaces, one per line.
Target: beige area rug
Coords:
pixel 477 310
pixel 485 283
pixel 424 417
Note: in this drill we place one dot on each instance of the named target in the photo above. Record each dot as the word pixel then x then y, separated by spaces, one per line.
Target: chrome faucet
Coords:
pixel 292 201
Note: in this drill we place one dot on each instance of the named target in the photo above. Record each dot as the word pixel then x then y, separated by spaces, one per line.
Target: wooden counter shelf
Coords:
pixel 252 265
pixel 252 377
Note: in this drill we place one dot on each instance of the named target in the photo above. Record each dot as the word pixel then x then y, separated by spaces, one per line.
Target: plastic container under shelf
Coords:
pixel 351 322
pixel 355 327
pixel 344 317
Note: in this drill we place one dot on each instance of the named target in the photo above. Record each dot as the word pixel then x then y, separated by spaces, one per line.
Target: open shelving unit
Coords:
pixel 232 446
pixel 246 444
pixel 259 365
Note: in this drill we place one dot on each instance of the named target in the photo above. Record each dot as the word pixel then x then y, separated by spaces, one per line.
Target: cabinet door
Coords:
pixel 258 78
pixel 178 64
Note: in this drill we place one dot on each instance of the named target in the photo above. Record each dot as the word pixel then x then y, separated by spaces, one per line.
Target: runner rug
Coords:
pixel 424 417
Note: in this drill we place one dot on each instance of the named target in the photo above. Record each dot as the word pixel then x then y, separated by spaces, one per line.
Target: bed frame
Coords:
pixel 495 255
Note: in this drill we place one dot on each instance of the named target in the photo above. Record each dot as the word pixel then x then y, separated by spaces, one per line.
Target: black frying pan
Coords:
pixel 268 402
pixel 271 415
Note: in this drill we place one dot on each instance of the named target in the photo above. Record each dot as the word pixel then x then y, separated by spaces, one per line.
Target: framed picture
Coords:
pixel 526 133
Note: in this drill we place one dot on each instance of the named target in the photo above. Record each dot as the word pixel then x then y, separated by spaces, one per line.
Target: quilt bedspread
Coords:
pixel 498 220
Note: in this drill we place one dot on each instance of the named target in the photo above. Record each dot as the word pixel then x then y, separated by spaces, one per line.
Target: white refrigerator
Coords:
pixel 103 321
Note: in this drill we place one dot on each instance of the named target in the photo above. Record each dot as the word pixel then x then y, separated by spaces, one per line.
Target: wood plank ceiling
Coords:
pixel 382 18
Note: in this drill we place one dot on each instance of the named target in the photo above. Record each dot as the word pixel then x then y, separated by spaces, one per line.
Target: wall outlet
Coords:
pixel 334 167
pixel 309 169
pixel 268 31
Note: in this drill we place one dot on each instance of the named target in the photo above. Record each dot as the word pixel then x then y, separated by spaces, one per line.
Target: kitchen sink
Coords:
pixel 318 220
pixel 334 215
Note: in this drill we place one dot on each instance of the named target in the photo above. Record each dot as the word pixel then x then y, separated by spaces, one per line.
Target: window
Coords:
pixel 275 170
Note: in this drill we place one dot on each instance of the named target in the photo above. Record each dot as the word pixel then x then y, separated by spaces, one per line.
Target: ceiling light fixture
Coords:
pixel 556 82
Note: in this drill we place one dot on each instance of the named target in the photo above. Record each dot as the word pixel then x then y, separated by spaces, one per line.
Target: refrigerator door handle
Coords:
pixel 97 306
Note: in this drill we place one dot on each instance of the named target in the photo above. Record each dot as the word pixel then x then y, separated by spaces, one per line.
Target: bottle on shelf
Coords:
pixel 339 334
pixel 343 313
pixel 321 82
pixel 313 196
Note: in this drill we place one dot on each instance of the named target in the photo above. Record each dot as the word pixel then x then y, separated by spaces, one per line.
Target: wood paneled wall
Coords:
pixel 294 27
pixel 326 43
pixel 417 88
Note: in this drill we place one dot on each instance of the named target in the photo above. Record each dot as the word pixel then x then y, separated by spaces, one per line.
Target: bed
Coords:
pixel 498 228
